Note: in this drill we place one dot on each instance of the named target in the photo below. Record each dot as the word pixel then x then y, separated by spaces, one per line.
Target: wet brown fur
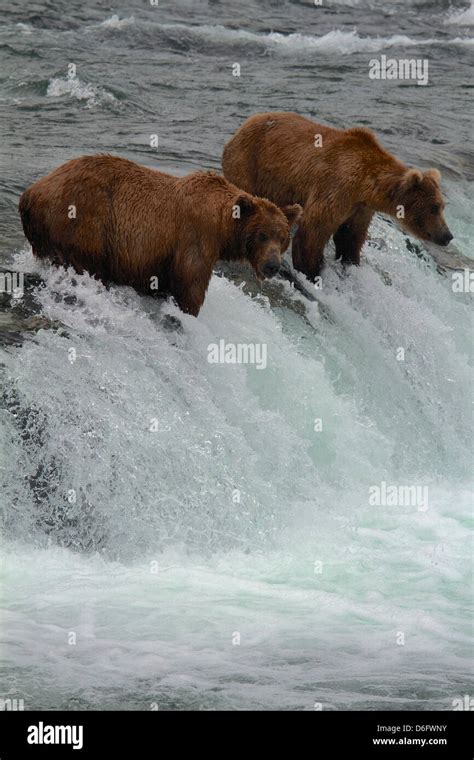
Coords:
pixel 134 223
pixel 340 184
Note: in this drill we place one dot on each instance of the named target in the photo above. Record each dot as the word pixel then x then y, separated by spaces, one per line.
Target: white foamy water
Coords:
pixel 238 562
pixel 462 17
pixel 73 86
pixel 115 22
pixel 336 41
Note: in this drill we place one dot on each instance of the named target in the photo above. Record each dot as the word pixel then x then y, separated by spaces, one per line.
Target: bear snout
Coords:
pixel 444 238
pixel 271 267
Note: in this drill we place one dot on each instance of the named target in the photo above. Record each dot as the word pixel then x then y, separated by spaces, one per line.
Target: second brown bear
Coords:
pixel 341 177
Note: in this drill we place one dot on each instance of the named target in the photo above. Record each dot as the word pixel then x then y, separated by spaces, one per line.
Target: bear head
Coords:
pixel 420 196
pixel 265 232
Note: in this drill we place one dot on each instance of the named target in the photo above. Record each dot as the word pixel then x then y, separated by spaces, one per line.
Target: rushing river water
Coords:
pixel 193 535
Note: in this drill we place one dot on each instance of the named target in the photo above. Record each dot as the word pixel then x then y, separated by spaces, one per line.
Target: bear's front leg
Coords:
pixel 352 234
pixel 190 282
pixel 308 248
pixel 189 296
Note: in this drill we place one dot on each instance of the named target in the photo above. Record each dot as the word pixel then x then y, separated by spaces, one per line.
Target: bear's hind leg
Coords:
pixel 351 235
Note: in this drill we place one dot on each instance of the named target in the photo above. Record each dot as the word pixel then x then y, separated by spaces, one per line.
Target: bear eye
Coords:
pixel 434 208
pixel 262 237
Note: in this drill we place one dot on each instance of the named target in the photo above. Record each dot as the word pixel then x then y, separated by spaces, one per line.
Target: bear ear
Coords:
pixel 246 205
pixel 434 175
pixel 411 179
pixel 292 213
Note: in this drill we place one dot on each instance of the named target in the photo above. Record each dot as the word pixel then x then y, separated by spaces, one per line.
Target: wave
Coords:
pixel 25 28
pixel 114 22
pixel 335 41
pixel 462 18
pixel 73 86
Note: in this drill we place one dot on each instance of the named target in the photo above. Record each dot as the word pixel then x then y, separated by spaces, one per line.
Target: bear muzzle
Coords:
pixel 444 238
pixel 272 267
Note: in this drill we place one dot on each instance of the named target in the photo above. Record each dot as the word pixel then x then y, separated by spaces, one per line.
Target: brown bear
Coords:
pixel 341 177
pixel 131 225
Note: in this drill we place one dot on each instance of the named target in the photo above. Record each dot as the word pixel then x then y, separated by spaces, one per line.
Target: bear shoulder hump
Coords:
pixel 364 134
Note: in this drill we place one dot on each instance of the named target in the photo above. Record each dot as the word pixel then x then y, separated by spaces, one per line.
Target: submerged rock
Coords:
pixel 20 315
